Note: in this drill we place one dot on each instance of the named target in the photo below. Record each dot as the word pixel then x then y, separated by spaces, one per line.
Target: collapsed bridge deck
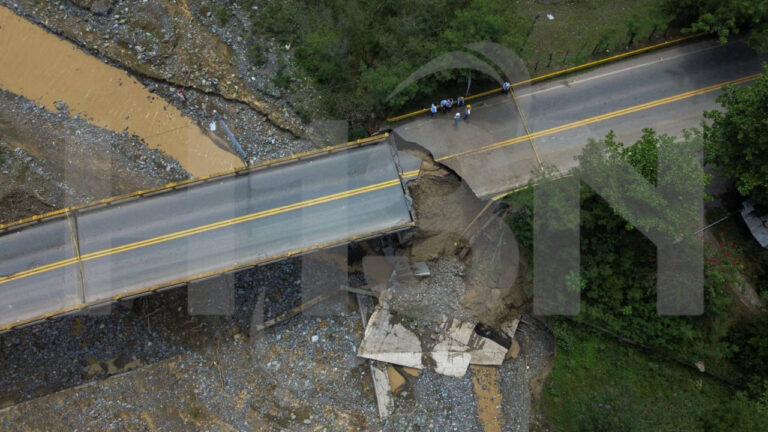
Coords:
pixel 126 248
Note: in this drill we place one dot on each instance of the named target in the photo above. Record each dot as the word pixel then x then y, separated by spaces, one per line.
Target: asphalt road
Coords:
pixel 176 236
pixel 491 152
pixel 236 221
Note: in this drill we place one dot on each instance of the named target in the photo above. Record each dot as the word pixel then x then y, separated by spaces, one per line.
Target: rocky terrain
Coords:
pixel 150 365
pixel 182 43
pixel 54 160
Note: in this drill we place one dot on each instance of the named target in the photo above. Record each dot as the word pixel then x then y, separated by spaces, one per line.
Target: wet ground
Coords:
pixel 52 72
pixel 148 364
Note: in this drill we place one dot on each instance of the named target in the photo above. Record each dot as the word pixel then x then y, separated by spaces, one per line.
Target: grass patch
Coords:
pixel 598 385
pixel 586 30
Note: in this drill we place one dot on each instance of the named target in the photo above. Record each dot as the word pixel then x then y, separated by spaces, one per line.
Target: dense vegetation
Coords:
pixel 737 138
pixel 599 385
pixel 358 51
pixel 724 18
pixel 618 263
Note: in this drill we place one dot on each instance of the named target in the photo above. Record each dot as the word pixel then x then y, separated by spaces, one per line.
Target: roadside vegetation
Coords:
pixel 357 52
pixel 618 263
pixel 724 18
pixel 619 362
pixel 737 138
pixel 601 385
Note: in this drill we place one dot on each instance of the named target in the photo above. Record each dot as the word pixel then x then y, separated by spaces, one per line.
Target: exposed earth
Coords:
pixel 148 364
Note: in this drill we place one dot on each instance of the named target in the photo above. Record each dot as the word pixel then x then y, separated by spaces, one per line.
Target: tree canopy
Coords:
pixel 358 51
pixel 619 264
pixel 737 139
pixel 725 18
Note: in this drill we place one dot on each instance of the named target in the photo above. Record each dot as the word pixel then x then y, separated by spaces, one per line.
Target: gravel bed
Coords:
pixel 82 162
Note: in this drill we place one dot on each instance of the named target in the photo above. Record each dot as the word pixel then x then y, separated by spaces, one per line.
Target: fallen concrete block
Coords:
pixel 390 342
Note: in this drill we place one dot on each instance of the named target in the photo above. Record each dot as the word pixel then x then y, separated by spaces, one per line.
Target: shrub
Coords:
pixel 223 14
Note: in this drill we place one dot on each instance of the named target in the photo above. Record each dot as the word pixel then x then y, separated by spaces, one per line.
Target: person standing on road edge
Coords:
pixel 505 87
pixel 456 119
pixel 432 110
pixel 460 101
pixel 469 111
pixel 443 103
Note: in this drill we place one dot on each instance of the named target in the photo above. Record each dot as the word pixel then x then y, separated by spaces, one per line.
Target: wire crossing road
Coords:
pixel 103 254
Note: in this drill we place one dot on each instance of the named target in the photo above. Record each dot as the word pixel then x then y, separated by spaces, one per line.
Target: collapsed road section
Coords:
pixel 127 248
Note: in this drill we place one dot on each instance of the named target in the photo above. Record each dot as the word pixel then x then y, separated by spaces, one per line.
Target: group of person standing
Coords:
pixel 447 104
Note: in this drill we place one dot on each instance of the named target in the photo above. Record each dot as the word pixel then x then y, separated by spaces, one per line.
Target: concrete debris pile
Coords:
pixel 397 344
pixel 449 351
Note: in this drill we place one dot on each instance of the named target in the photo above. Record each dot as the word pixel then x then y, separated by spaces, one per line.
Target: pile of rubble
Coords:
pixel 400 345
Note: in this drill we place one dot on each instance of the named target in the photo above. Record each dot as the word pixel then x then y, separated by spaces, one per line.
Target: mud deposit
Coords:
pixel 50 71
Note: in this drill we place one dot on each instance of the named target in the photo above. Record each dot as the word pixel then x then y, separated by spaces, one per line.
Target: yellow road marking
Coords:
pixel 293 253
pixel 601 117
pixel 561 72
pixel 410 173
pixel 200 229
pixel 525 124
pixel 609 59
pixel 328 198
pixel 190 181
pixel 345 194
pixel 79 278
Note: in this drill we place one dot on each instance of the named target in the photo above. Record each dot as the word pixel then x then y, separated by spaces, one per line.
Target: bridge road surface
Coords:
pixel 468 148
pixel 175 236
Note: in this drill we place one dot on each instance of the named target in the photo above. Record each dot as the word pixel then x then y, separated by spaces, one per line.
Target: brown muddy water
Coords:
pixel 45 69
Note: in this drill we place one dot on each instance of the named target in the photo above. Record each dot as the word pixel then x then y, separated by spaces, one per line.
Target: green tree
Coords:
pixel 618 263
pixel 724 18
pixel 358 51
pixel 737 139
pixel 750 341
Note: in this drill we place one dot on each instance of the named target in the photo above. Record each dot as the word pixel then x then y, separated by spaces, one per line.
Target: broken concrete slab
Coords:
pixel 451 352
pixel 463 343
pixel 450 359
pixel 379 370
pixel 388 341
pixel 382 388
